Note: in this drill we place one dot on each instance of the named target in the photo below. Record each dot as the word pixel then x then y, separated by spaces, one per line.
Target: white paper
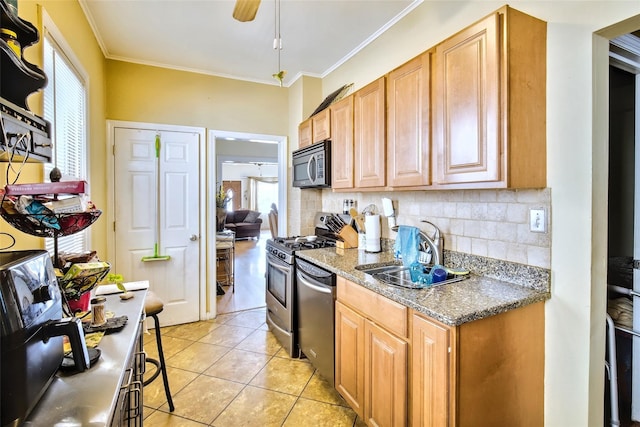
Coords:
pixel 129 286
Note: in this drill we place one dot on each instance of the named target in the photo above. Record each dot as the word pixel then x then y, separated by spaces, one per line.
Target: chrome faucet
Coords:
pixel 434 242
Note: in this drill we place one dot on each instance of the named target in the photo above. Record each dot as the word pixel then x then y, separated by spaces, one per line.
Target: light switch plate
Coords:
pixel 537 220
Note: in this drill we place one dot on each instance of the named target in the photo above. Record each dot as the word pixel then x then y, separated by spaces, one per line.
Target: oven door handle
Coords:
pixel 275 325
pixel 322 289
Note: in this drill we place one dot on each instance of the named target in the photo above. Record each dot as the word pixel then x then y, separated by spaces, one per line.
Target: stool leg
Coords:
pixel 163 366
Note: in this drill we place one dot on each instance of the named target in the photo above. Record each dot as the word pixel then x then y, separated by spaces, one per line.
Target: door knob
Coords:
pixel 193 237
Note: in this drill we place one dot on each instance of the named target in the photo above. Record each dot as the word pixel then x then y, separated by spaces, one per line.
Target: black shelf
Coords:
pixel 19 78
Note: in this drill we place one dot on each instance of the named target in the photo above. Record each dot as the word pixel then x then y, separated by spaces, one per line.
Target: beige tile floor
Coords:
pixel 231 371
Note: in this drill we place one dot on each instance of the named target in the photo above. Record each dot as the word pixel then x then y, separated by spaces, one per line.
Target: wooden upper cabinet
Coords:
pixel 315 129
pixel 304 133
pixel 342 143
pixel 408 123
pixel 490 104
pixel 321 126
pixel 369 135
pixel 468 121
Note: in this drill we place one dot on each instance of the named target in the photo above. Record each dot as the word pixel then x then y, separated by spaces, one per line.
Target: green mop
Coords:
pixel 156 256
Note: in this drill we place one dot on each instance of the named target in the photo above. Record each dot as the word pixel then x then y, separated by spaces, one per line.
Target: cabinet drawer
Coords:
pixel 375 307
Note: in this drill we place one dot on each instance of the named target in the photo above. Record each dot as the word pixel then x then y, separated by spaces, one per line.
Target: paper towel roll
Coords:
pixel 372 225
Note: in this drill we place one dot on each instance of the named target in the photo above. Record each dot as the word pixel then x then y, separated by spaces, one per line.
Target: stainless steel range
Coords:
pixel 281 279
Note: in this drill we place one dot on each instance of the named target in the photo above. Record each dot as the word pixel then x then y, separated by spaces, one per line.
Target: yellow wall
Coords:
pixel 142 93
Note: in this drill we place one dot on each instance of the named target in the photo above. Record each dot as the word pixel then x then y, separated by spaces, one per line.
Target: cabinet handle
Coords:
pixel 127 383
pixel 141 357
pixel 136 390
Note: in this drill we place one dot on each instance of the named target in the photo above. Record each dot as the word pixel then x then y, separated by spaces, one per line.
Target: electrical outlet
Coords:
pixel 537 220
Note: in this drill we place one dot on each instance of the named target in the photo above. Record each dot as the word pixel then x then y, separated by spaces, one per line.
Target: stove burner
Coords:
pixel 299 243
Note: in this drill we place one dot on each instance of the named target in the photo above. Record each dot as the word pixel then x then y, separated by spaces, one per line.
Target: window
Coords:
pixel 264 192
pixel 64 108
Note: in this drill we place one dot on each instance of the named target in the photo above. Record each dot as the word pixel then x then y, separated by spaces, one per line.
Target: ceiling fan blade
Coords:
pixel 245 10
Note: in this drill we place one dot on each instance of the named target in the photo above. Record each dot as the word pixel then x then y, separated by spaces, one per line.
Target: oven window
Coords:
pixel 277 283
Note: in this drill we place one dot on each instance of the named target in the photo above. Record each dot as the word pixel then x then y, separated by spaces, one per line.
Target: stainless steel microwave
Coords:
pixel 312 166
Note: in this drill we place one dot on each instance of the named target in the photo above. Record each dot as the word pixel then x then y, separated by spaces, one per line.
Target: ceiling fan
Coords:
pixel 245 10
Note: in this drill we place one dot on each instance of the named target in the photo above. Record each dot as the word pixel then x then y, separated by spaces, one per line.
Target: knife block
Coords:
pixel 349 236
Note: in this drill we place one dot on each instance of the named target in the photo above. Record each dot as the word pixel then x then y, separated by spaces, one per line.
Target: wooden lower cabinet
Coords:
pixel 385 377
pixel 488 372
pixel 349 364
pixel 371 367
pixel 402 368
pixel 430 372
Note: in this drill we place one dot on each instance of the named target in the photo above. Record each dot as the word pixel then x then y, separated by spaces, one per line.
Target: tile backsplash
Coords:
pixel 487 223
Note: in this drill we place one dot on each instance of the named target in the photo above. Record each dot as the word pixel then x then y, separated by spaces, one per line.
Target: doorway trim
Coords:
pixel 282 164
pixel 600 180
pixel 204 276
pixel 211 176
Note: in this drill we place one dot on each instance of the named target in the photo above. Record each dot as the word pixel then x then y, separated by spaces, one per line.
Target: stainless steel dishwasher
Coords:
pixel 315 297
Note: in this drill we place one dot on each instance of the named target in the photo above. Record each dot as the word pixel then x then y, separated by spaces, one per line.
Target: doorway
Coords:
pixel 250 255
pixel 236 193
pixel 623 226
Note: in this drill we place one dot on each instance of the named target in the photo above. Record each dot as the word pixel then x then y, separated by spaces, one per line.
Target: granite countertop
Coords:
pixel 475 298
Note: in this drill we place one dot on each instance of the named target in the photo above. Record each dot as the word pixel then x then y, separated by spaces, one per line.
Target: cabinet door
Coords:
pixel 321 126
pixel 430 373
pixel 369 135
pixel 349 370
pixel 342 143
pixel 408 123
pixel 304 133
pixel 467 134
pixel 385 377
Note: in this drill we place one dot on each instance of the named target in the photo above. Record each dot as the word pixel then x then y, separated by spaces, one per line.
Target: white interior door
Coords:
pixel 157 216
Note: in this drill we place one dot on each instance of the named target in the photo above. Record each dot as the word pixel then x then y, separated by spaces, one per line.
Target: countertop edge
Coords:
pixel 452 304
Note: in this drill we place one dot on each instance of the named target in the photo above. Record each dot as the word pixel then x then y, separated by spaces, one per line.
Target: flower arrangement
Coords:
pixel 222 197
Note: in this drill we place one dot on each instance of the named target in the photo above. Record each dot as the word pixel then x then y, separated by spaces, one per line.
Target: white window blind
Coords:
pixel 65 109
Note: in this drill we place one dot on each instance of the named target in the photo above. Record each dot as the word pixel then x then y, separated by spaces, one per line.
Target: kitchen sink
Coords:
pixel 378 268
pixel 399 275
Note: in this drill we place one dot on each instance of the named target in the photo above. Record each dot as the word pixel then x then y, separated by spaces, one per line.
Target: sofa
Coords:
pixel 246 223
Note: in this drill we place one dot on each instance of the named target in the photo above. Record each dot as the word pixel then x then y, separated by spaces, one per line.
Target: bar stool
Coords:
pixel 225 258
pixel 152 307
